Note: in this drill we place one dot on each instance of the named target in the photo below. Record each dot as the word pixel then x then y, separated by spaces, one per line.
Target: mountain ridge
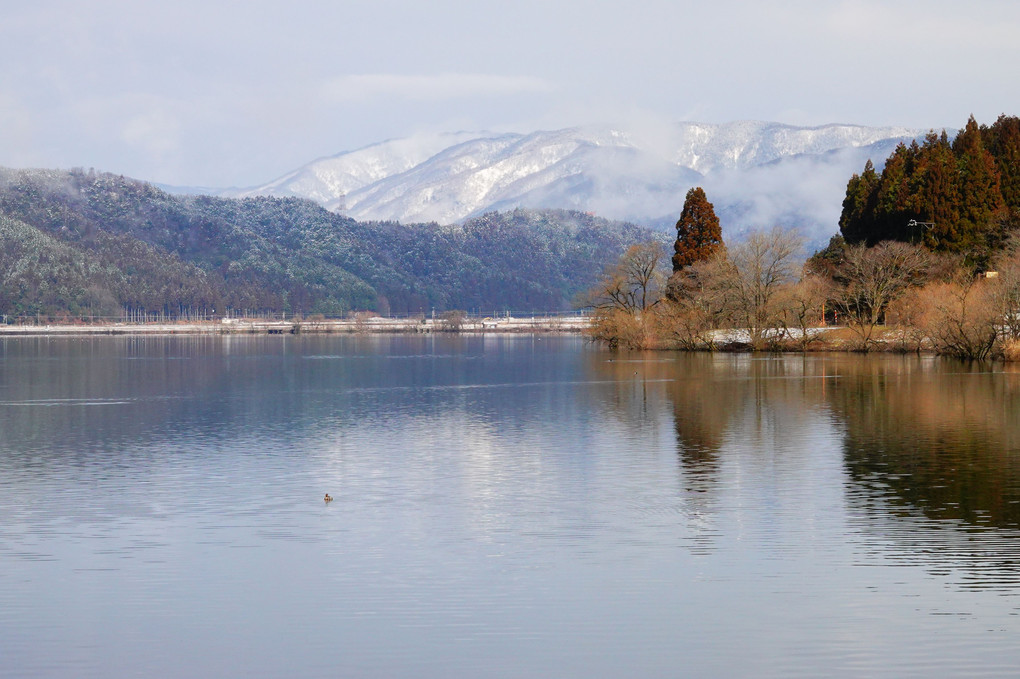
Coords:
pixel 619 172
pixel 98 244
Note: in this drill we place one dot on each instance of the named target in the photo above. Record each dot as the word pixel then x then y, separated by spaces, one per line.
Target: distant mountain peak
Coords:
pixel 620 172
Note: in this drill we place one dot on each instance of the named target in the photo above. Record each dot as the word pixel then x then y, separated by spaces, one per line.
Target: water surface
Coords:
pixel 505 506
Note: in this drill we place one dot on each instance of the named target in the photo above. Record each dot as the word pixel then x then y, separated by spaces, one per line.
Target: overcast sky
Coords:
pixel 214 93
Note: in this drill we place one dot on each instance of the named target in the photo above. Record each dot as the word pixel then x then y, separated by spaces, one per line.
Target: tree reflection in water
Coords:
pixel 940 436
pixel 931 451
pixel 930 448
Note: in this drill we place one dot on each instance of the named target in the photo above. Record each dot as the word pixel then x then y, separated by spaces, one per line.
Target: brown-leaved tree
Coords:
pixel 698 234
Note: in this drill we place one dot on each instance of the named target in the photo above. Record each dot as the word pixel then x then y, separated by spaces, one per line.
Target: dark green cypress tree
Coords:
pixel 698 234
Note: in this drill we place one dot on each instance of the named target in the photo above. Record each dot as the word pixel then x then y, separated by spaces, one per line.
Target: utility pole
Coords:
pixel 917 228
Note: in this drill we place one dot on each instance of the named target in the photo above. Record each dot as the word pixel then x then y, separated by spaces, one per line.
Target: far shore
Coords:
pixel 573 324
pixel 819 339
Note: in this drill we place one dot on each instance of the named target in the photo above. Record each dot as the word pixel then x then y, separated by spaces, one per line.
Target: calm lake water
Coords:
pixel 505 507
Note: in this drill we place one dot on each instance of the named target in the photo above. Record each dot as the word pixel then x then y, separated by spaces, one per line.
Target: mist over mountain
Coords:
pixel 459 220
pixel 757 174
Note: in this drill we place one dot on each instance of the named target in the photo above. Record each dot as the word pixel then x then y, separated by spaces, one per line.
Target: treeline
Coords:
pixel 93 244
pixel 758 294
pixel 960 195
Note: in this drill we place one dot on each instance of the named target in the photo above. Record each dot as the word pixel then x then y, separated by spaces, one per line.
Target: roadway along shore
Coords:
pixel 377 324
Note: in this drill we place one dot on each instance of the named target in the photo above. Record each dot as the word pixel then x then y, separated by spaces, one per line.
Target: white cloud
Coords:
pixel 145 125
pixel 155 132
pixel 236 97
pixel 436 87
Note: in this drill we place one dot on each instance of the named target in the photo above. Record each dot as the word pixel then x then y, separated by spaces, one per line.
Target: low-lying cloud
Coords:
pixel 436 87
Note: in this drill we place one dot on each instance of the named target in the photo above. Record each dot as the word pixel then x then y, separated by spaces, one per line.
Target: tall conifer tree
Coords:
pixel 859 205
pixel 980 196
pixel 893 198
pixel 969 189
pixel 1003 142
pixel 936 196
pixel 698 234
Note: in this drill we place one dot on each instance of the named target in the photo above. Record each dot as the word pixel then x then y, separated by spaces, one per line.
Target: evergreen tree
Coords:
pixel 859 204
pixel 968 189
pixel 1003 141
pixel 892 212
pixel 980 196
pixel 698 234
pixel 827 261
pixel 935 192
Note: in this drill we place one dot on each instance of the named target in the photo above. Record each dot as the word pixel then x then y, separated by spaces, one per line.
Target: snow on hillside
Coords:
pixel 327 180
pixel 759 173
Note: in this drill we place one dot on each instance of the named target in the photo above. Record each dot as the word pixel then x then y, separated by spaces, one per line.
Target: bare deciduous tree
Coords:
pixel 684 324
pixel 1007 290
pixel 759 268
pixel 803 304
pixel 623 296
pixel 741 286
pixel 909 314
pixel 452 320
pixel 960 317
pixel 871 278
pixel 634 283
pixel 620 328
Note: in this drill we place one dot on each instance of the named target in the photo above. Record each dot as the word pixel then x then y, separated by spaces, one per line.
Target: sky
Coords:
pixel 217 93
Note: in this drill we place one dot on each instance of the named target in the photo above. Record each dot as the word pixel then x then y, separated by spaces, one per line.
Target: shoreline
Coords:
pixel 826 339
pixel 375 325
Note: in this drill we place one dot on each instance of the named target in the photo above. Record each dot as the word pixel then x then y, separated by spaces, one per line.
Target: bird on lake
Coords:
pixel 328 498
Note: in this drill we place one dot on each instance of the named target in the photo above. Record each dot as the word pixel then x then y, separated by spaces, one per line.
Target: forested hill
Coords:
pixel 100 244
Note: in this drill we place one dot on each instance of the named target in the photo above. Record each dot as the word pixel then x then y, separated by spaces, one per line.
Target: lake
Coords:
pixel 505 506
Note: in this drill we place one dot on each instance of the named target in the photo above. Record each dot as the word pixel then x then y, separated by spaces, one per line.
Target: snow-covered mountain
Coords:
pixel 756 173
